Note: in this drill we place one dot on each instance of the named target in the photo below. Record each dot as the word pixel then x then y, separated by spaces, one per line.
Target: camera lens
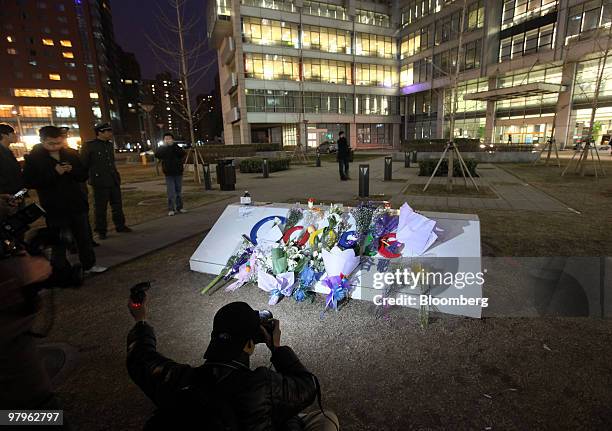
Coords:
pixel 265 315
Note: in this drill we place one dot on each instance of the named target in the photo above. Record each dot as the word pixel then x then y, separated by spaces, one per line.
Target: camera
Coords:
pixel 265 320
pixel 14 227
pixel 138 293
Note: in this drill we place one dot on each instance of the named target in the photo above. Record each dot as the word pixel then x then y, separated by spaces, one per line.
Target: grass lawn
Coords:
pixel 136 172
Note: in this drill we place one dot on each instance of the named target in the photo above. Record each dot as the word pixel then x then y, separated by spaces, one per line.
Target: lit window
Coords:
pixel 93 95
pixel 62 94
pixel 66 43
pixel 130 105
pixel 128 81
pixel 55 77
pixel 48 42
pixel 67 54
pixel 11 51
pixel 10 39
pixel 31 92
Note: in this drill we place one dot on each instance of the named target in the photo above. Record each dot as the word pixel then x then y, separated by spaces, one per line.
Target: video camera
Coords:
pixel 266 319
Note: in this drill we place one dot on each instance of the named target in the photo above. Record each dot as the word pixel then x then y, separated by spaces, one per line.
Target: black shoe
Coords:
pixel 124 229
pixel 343 179
pixel 101 235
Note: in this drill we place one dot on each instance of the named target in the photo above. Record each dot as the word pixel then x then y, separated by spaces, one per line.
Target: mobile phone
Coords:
pixel 19 195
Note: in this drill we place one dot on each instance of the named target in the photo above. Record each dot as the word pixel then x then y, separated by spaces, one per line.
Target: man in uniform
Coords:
pixel 99 157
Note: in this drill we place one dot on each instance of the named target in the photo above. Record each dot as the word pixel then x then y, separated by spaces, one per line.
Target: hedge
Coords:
pixel 268 147
pixel 211 153
pixel 253 165
pixel 435 145
pixel 426 167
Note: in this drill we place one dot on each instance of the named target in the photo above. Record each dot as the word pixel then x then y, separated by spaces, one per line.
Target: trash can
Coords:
pixel 226 174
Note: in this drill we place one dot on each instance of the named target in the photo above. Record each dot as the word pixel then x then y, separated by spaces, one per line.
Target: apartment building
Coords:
pixel 383 71
pixel 54 62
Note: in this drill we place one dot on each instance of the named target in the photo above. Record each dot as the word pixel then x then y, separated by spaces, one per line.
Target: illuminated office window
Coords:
pixel 328 71
pixel 407 75
pixel 373 45
pixel 31 92
pixel 48 42
pixel 325 10
pixel 66 43
pixel 271 67
pixel 326 39
pixel 262 31
pixel 376 75
pixel 286 5
pixel 61 94
pixel 55 77
pixel 67 54
pixel 11 51
pixel 517 11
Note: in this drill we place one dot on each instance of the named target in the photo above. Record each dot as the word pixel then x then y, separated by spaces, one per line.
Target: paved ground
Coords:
pixel 301 182
pixel 376 373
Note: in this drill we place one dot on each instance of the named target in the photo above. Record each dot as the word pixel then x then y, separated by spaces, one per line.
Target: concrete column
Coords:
pixel 440 117
pixel 395 136
pixel 490 115
pixel 353 135
pixel 563 111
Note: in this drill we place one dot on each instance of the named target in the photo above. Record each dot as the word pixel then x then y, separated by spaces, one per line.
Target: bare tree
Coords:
pixel 179 47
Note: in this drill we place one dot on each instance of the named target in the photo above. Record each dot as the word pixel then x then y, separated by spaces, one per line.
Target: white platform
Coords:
pixel 459 242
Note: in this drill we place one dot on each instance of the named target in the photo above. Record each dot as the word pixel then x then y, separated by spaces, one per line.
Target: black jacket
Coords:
pixel 227 396
pixel 344 150
pixel 59 195
pixel 11 180
pixel 99 157
pixel 171 157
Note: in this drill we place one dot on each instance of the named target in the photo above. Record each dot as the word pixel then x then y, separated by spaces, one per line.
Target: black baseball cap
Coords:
pixel 233 325
pixel 103 127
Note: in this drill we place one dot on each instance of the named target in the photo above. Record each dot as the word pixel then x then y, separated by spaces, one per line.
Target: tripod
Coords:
pixel 550 144
pixel 589 148
pixel 451 151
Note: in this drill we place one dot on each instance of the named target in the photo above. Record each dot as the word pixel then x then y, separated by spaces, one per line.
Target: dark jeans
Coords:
pixel 78 225
pixel 343 165
pixel 174 185
pixel 102 197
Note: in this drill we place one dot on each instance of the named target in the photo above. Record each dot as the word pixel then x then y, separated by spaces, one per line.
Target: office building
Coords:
pixel 53 62
pixel 383 71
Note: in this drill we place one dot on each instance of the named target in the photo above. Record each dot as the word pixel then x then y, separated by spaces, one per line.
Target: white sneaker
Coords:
pixel 171 213
pixel 96 269
pixel 182 210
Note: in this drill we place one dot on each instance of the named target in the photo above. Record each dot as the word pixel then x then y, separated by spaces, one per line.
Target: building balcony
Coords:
pixel 233 115
pixel 218 21
pixel 230 84
pixel 228 50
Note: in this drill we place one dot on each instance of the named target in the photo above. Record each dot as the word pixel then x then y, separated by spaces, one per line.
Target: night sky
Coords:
pixel 132 19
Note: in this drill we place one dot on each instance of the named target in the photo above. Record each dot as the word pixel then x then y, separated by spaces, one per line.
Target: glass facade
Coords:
pixel 586 17
pixel 286 5
pixel 375 75
pixel 262 31
pixel 517 11
pixel 271 67
pixel 526 43
pixel 328 71
pixel 325 10
pixel 326 39
pixel 373 45
pixel 374 135
pixel 372 18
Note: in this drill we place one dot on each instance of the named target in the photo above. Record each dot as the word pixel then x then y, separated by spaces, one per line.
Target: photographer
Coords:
pixel 56 172
pixel 224 393
pixel 25 383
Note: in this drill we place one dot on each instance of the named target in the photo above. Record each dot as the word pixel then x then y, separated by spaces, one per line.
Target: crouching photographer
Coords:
pixel 224 393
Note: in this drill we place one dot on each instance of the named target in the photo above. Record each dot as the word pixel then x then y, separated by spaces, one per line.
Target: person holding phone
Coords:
pixel 57 174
